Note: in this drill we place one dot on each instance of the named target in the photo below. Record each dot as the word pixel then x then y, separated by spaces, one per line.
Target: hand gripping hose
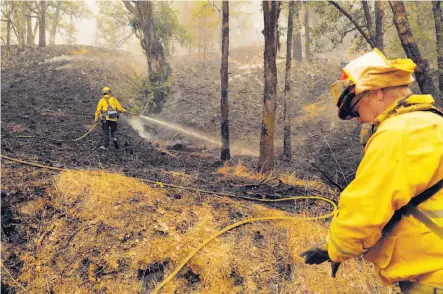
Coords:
pixel 228 228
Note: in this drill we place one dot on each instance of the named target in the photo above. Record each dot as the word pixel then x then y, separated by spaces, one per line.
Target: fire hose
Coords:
pixel 226 229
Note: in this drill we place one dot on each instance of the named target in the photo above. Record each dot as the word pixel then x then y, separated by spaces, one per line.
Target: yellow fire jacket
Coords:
pixel 102 107
pixel 402 159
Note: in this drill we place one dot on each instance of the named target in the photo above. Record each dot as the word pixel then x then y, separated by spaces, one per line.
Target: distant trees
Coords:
pixel 113 21
pixel 297 44
pixel 55 22
pixel 308 56
pixel 42 25
pixel 271 12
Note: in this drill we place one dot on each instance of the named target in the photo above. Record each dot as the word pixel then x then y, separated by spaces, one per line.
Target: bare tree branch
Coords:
pixel 129 6
pixel 121 42
pixel 32 9
pixel 350 30
pixel 359 28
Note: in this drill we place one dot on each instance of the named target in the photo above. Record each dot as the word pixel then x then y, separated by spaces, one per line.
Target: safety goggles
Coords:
pixel 338 88
pixel 352 112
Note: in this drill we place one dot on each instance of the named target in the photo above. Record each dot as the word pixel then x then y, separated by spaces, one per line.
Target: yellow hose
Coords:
pixel 237 224
pixel 56 140
pixel 32 164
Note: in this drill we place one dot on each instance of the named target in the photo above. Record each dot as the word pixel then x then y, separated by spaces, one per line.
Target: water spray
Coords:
pixel 192 133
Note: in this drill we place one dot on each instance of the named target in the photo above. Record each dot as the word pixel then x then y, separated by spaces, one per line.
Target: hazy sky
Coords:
pixel 87 27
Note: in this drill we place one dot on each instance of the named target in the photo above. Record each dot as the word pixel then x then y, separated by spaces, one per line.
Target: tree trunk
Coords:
pixel 438 19
pixel 34 31
pixel 54 24
pixel 225 151
pixel 410 46
pixel 21 27
pixel 271 11
pixel 368 17
pixel 379 15
pixel 307 37
pixel 29 32
pixel 297 39
pixel 158 69
pixel 8 35
pixel 42 29
pixel 287 150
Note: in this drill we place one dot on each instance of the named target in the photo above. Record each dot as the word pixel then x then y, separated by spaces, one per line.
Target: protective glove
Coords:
pixel 317 255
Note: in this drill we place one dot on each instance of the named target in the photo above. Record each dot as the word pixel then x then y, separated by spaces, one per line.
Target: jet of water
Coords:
pixel 216 142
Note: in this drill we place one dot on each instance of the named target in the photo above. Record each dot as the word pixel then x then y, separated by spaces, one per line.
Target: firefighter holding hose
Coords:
pixel 392 212
pixel 108 109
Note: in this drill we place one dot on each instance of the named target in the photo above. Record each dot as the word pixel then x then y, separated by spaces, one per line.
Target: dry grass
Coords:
pixel 241 171
pixel 111 229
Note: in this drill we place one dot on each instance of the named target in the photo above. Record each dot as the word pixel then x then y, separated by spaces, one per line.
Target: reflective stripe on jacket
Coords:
pixel 102 106
pixel 403 158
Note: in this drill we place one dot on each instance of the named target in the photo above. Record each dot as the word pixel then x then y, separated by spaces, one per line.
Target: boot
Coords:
pixel 114 140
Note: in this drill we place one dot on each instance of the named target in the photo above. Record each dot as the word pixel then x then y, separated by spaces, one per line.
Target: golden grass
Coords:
pixel 110 227
pixel 239 170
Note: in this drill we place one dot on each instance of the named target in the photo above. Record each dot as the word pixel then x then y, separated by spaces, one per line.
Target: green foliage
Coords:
pixel 335 26
pixel 203 26
pixel 113 24
pixel 167 26
pixel 68 9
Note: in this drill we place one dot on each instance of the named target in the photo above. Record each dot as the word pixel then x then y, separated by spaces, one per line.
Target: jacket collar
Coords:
pixel 408 104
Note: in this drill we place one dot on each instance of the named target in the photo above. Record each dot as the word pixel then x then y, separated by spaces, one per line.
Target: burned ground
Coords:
pixel 52 92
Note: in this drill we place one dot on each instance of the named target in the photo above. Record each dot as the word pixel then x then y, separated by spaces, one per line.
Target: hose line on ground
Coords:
pixel 57 140
pixel 237 224
pixel 228 228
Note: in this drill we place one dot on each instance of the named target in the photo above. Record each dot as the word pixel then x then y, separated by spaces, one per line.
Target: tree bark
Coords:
pixel 368 18
pixel 297 39
pixel 308 56
pixel 287 150
pixel 158 69
pixel 225 150
pixel 42 29
pixel 410 46
pixel 21 28
pixel 29 32
pixel 379 33
pixel 8 35
pixel 438 20
pixel 54 24
pixel 271 10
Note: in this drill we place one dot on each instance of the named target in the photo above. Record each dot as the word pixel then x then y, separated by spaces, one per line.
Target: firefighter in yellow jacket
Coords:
pixel 108 109
pixel 403 161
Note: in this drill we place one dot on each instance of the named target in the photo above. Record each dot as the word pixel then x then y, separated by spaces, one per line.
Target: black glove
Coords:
pixel 317 255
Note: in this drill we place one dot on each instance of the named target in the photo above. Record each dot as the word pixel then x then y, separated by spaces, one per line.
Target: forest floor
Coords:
pixel 97 230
